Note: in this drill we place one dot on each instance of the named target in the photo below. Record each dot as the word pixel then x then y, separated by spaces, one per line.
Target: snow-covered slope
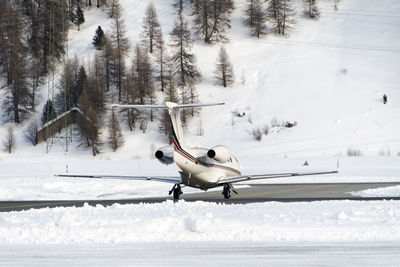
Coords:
pixel 328 75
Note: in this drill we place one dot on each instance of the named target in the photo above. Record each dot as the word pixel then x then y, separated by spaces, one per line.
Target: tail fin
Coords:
pixel 174 112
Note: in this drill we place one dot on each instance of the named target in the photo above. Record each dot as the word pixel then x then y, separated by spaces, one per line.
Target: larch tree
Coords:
pixel 142 75
pixel 311 8
pixel 178 5
pixel 224 70
pixel 114 8
pixel 88 123
pixel 115 137
pixel 212 19
pixel 182 58
pixel 99 78
pixel 171 95
pixel 54 26
pixel 13 63
pixel 151 28
pixel 256 17
pixel 100 3
pixel 109 61
pixel 9 143
pixel 161 60
pixel 280 13
pixel 121 45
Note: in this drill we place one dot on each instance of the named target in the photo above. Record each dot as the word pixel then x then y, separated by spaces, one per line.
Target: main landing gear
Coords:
pixel 176 189
pixel 227 191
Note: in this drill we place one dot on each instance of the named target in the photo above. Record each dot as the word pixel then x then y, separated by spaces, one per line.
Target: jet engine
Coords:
pixel 219 153
pixel 165 155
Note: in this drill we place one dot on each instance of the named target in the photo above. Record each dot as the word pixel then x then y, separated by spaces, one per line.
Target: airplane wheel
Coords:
pixel 227 195
pixel 226 192
pixel 177 192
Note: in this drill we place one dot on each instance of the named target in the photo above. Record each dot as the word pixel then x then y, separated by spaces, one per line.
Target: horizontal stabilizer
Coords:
pixel 165 179
pixel 138 106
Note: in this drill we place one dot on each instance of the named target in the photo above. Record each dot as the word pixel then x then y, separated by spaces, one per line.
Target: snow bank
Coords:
pixel 202 221
pixel 392 191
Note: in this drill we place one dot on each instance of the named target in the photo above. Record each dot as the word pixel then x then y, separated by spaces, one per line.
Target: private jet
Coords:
pixel 200 168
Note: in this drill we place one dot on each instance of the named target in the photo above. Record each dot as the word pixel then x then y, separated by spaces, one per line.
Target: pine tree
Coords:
pixel 151 28
pixel 255 17
pixel 182 58
pixel 224 70
pixel 9 143
pixel 115 137
pixel 98 38
pixel 49 112
pixel 81 85
pixel 311 8
pixel 80 18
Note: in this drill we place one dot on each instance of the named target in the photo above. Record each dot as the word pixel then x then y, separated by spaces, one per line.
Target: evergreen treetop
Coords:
pixel 98 38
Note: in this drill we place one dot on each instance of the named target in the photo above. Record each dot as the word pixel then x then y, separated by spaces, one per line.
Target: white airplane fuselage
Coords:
pixel 196 167
pixel 199 171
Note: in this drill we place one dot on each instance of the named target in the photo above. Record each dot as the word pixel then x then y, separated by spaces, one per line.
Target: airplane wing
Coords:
pixel 165 179
pixel 242 178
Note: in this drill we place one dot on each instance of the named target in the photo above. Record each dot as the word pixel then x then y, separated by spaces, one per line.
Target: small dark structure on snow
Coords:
pixel 384 99
pixel 65 119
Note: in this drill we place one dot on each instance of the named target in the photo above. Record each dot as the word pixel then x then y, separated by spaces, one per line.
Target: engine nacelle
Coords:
pixel 165 155
pixel 219 153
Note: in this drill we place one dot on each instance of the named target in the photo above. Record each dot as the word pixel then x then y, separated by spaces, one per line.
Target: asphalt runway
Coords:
pixel 251 194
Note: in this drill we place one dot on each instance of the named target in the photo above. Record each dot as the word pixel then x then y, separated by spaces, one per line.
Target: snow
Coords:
pixel 205 222
pixel 329 76
pixel 36 180
pixel 393 191
pixel 214 253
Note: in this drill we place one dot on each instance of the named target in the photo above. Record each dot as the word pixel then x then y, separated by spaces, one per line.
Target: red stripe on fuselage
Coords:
pixel 180 150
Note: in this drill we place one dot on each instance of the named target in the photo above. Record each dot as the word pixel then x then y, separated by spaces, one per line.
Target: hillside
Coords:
pixel 328 75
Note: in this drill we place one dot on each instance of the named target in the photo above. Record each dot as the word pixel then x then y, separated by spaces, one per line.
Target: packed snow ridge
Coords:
pixel 201 221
